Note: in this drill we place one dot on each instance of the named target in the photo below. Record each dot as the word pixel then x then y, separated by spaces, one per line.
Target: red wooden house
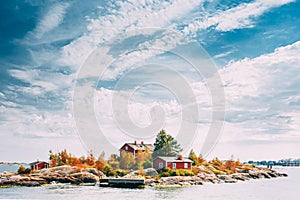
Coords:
pixel 134 148
pixel 37 165
pixel 172 162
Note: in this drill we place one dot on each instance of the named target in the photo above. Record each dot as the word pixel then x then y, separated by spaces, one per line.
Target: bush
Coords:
pixel 164 174
pixel 214 170
pixel 23 170
pixel 174 172
pixel 121 172
pixel 109 171
pixel 227 171
pixel 187 172
pixel 147 164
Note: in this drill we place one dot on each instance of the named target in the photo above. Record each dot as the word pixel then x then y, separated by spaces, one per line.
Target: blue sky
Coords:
pixel 255 46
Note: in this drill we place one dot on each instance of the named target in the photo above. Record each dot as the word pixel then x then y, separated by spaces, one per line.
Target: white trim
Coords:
pixel 174 165
pixel 185 165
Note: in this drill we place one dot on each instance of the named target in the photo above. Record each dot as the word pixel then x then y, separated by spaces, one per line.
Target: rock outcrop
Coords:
pixel 61 174
pixel 207 176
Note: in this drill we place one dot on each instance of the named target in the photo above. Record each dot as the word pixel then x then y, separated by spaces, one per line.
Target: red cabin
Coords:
pixel 38 165
pixel 135 147
pixel 178 162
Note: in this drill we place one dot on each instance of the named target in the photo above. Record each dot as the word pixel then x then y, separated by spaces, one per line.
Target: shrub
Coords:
pixel 109 171
pixel 174 172
pixel 214 170
pixel 227 171
pixel 164 174
pixel 121 172
pixel 182 172
pixel 147 164
pixel 23 170
pixel 187 172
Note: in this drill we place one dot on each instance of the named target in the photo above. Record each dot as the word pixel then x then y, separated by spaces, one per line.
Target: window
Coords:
pixel 160 165
pixel 126 148
pixel 186 165
pixel 173 165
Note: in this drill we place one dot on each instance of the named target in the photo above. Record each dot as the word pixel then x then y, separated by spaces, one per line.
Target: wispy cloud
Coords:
pixel 128 16
pixel 52 18
pixel 241 16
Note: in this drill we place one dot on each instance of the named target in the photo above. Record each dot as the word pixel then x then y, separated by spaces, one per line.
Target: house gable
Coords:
pixel 126 147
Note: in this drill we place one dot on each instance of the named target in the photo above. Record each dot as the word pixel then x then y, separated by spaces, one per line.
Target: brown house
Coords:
pixel 134 148
pixel 38 165
pixel 172 162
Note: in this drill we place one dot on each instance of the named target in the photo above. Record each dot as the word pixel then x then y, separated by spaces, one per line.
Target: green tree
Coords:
pixel 165 145
pixel 193 157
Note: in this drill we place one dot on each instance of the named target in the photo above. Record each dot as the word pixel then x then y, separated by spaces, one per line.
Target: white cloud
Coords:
pixel 259 93
pixel 129 16
pixel 2 95
pixel 42 81
pixel 258 76
pixel 33 123
pixel 238 17
pixel 52 18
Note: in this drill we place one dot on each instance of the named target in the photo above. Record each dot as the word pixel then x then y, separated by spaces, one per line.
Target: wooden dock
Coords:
pixel 123 182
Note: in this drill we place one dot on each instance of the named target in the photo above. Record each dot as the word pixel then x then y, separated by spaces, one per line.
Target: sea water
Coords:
pixel 263 189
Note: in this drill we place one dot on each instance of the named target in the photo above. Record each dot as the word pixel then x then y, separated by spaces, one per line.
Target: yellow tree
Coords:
pixel 193 157
pixel 201 160
pixel 127 160
pixel 101 163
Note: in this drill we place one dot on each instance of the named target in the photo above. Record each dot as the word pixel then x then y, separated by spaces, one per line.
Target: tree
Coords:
pixel 193 157
pixel 114 161
pixel 201 160
pixel 165 145
pixel 127 160
pixel 23 170
pixel 90 160
pixel 101 163
pixel 53 159
pixel 63 157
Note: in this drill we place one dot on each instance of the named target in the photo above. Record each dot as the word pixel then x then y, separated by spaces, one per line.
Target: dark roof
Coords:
pixel 142 147
pixel 37 162
pixel 174 159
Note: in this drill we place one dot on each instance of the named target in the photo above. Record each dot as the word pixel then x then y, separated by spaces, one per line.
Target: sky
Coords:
pixel 222 77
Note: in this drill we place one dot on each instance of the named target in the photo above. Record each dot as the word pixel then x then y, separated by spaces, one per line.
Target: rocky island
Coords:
pixel 88 176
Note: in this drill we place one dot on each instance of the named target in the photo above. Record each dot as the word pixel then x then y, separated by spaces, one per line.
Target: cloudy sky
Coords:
pixel 94 75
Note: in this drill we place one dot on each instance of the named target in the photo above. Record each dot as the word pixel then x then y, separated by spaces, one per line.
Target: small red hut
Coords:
pixel 178 162
pixel 37 165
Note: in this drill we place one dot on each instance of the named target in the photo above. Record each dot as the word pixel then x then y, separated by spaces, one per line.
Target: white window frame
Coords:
pixel 186 165
pixel 173 165
pixel 160 165
pixel 126 148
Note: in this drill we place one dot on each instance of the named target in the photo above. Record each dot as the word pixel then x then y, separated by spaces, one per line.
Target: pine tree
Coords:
pixel 165 145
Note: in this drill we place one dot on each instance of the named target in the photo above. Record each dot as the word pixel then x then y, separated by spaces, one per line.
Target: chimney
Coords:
pixel 179 157
pixel 142 142
pixel 135 142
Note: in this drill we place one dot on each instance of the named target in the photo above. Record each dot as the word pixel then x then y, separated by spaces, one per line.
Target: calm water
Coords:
pixel 275 189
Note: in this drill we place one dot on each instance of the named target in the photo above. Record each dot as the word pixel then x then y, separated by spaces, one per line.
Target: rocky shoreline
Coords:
pixel 209 177
pixel 61 174
pixel 76 175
